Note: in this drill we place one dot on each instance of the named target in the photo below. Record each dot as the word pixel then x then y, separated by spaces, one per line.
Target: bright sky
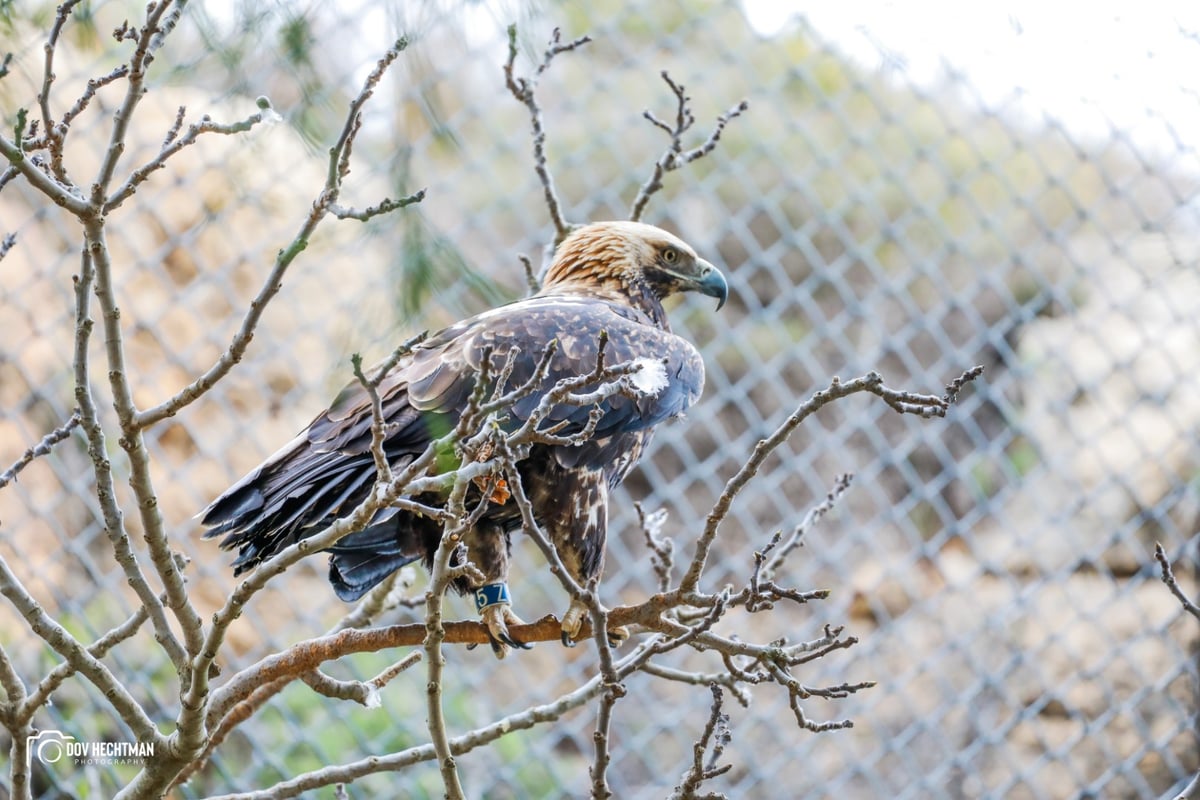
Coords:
pixel 1136 64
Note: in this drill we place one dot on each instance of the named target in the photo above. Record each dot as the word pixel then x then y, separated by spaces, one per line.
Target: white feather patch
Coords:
pixel 650 378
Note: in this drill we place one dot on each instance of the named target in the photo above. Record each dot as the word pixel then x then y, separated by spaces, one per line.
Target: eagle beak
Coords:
pixel 711 282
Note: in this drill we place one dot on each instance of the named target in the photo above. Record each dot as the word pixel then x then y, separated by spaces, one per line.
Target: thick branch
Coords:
pixel 78 656
pixel 110 510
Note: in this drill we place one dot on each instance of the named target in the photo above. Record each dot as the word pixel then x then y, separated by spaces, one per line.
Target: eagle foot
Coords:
pixel 497 619
pixel 572 624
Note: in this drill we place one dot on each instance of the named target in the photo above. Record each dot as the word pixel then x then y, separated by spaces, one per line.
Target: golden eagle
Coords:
pixel 607 280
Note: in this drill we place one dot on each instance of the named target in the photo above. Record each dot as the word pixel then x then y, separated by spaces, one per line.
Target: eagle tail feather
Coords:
pixel 358 562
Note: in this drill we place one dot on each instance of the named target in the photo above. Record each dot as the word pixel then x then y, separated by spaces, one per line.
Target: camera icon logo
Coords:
pixel 50 745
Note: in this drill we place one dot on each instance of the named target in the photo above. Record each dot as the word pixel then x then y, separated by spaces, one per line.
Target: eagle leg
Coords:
pixel 495 609
pixel 572 624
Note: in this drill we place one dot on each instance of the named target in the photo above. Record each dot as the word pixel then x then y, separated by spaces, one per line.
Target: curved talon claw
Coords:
pixel 572 623
pixel 497 618
pixel 617 636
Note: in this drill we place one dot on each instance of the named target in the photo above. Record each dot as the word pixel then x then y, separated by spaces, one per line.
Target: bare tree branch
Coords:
pixel 86 664
pixel 98 649
pixel 435 633
pixel 525 91
pixel 674 156
pixel 662 549
pixel 172 145
pixel 386 206
pixel 274 280
pixel 766 567
pixel 717 732
pixel 365 693
pixel 42 448
pixel 114 523
pixel 132 442
pixel 904 402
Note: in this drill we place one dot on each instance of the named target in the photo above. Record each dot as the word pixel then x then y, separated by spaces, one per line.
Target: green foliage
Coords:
pixel 296 40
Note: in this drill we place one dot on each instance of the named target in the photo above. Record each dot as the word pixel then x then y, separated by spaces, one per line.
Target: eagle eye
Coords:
pixel 670 255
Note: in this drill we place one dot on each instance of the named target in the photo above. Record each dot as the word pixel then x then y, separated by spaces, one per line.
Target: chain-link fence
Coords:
pixel 996 566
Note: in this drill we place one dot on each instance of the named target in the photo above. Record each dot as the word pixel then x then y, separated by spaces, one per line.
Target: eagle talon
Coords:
pixel 497 617
pixel 572 623
pixel 617 636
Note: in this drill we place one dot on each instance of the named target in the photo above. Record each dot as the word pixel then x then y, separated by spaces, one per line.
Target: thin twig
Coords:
pixel 904 402
pixel 662 549
pixel 716 731
pixel 172 145
pixel 283 260
pixel 531 279
pixel 525 91
pixel 385 206
pixel 42 448
pixel 1168 577
pixel 674 156
pixel 53 136
pixel 815 514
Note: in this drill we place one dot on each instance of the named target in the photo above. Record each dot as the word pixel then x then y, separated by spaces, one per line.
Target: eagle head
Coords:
pixel 636 262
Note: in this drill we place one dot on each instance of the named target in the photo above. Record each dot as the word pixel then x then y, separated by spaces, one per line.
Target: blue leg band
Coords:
pixel 493 594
